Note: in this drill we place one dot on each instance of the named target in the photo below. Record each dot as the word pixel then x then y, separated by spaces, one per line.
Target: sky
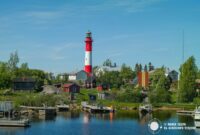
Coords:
pixel 49 34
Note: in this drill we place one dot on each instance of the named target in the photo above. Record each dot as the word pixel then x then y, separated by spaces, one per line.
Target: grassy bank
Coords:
pixel 39 99
pixel 34 99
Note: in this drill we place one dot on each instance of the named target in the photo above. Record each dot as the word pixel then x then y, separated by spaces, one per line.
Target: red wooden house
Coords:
pixel 71 88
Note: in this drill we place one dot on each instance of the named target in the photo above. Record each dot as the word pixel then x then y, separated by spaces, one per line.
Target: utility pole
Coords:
pixel 183 56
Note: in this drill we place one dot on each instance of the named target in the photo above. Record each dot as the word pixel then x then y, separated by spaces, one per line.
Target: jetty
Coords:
pixel 185 112
pixel 9 120
pixel 42 111
pixel 96 109
pixel 62 108
pixel 14 123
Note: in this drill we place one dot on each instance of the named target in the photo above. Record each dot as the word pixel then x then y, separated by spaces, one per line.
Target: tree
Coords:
pixel 112 78
pixel 188 76
pixel 39 76
pixel 150 66
pixel 129 95
pixel 108 63
pixel 126 73
pixel 5 76
pixel 13 61
pixel 137 68
pixel 198 74
pixel 145 68
pixel 161 93
pixel 140 67
pixel 155 76
pixel 24 66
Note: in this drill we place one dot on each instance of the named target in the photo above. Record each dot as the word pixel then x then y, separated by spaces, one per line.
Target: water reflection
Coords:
pixel 121 122
pixel 11 130
pixel 163 115
pixel 144 118
pixel 70 114
pixel 86 118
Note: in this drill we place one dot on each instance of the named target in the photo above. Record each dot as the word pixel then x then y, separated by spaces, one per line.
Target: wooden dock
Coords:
pixel 38 108
pixel 42 111
pixel 62 108
pixel 14 123
pixel 96 109
pixel 185 112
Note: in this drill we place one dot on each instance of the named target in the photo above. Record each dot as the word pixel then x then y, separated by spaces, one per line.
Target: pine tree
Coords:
pixel 137 68
pixel 140 67
pixel 145 68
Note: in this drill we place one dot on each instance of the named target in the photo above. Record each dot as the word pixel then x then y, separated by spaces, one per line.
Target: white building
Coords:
pixel 103 69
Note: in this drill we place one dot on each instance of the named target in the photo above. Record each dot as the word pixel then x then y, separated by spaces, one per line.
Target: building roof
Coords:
pixel 24 79
pixel 108 68
pixel 75 72
pixel 69 84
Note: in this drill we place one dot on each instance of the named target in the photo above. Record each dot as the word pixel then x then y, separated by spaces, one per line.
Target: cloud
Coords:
pixel 130 6
pixel 43 14
pixel 136 5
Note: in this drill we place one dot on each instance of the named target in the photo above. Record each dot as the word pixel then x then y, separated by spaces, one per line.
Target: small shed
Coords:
pixel 71 88
pixel 102 87
pixel 23 84
pixel 92 97
pixel 6 106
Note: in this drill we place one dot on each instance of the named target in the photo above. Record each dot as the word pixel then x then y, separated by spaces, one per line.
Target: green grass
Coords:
pixel 83 96
pixel 186 106
pixel 118 105
pixel 34 99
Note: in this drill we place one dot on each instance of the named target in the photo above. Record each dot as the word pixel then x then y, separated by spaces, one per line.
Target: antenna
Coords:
pixel 183 46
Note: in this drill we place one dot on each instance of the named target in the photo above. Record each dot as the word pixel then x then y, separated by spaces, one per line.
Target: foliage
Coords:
pixel 198 76
pixel 5 76
pixel 150 66
pixel 155 76
pixel 129 95
pixel 13 61
pixel 126 73
pixel 161 93
pixel 35 99
pixel 145 68
pixel 197 100
pixel 110 77
pixel 187 85
pixel 10 70
pixel 109 63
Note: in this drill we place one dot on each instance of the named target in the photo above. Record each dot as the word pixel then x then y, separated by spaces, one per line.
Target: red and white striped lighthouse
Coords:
pixel 88 53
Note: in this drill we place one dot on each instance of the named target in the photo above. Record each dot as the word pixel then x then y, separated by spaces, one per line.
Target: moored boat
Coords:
pixel 197 117
pixel 146 108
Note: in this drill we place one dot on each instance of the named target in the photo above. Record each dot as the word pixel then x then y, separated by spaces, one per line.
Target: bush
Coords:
pixel 197 100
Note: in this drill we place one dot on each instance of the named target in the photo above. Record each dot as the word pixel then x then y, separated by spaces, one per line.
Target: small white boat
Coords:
pixel 146 108
pixel 197 117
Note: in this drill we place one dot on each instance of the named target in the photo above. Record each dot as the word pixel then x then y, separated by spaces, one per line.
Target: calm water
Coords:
pixel 121 123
